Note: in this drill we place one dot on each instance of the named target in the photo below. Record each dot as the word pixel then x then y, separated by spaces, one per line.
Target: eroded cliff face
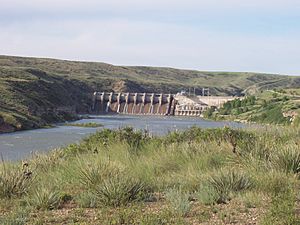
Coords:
pixel 37 98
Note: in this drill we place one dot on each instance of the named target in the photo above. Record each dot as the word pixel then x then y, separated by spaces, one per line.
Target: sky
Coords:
pixel 207 35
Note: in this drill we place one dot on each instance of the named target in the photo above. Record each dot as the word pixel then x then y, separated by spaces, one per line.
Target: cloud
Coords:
pixel 146 5
pixel 227 35
pixel 127 42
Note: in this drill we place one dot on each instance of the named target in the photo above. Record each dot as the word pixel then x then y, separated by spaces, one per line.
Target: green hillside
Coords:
pixel 269 107
pixel 37 91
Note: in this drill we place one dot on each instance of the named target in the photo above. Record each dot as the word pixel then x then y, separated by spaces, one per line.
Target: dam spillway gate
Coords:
pixel 133 103
pixel 155 104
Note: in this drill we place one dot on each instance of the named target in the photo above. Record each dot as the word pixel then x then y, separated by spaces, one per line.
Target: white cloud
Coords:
pixel 128 42
pixel 134 5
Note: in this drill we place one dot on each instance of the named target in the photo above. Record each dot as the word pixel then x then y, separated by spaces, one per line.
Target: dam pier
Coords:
pixel 155 103
pixel 133 103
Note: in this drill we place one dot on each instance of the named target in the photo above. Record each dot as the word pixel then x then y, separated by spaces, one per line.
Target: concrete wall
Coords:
pixel 133 103
pixel 216 101
pixel 154 104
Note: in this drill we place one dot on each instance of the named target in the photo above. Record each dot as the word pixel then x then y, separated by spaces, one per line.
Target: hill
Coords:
pixel 270 106
pixel 37 91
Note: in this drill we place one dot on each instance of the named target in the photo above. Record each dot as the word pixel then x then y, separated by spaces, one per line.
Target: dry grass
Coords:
pixel 163 181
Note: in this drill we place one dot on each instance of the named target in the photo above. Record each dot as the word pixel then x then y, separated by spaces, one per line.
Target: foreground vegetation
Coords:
pixel 88 125
pixel 36 92
pixel 213 176
pixel 269 107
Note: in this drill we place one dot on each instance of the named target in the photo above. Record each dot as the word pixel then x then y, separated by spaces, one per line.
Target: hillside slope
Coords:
pixel 270 107
pixel 36 91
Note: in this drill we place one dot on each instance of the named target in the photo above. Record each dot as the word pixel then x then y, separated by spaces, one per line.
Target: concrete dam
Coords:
pixel 133 103
pixel 155 104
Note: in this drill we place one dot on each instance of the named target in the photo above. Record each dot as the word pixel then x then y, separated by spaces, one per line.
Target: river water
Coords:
pixel 20 145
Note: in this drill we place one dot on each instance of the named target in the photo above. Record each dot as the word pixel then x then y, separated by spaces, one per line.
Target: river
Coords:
pixel 20 145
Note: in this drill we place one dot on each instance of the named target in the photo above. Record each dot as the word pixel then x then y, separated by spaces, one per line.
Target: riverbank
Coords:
pixel 67 118
pixel 198 176
pixel 21 144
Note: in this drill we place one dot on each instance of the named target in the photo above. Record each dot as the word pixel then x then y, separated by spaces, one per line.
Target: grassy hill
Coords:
pixel 270 106
pixel 37 91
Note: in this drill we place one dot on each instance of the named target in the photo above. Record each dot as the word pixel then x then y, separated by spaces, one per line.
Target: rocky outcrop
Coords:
pixel 5 127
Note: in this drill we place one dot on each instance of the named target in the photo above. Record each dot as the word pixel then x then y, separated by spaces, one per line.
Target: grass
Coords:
pixel 14 181
pixel 228 182
pixel 268 107
pixel 44 198
pixel 128 177
pixel 88 125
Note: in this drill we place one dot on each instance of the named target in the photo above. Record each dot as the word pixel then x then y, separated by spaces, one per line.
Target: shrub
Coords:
pixel 14 182
pixel 179 201
pixel 228 182
pixel 43 162
pixel 119 189
pixel 87 199
pixel 110 184
pixel 44 199
pixel 93 174
pixel 288 160
pixel 135 139
pixel 207 195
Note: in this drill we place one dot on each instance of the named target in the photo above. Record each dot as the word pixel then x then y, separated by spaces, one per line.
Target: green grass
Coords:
pixel 14 181
pixel 128 177
pixel 268 107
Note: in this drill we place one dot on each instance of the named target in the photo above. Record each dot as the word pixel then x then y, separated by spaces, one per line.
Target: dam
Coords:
pixel 155 103
pixel 133 103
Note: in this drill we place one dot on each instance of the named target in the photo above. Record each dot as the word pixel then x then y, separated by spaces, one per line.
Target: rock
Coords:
pixel 4 127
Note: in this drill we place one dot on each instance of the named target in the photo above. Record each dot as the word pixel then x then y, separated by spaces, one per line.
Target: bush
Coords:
pixel 44 199
pixel 14 182
pixel 93 174
pixel 110 184
pixel 179 201
pixel 127 135
pixel 228 182
pixel 118 190
pixel 288 160
pixel 207 195
pixel 87 199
